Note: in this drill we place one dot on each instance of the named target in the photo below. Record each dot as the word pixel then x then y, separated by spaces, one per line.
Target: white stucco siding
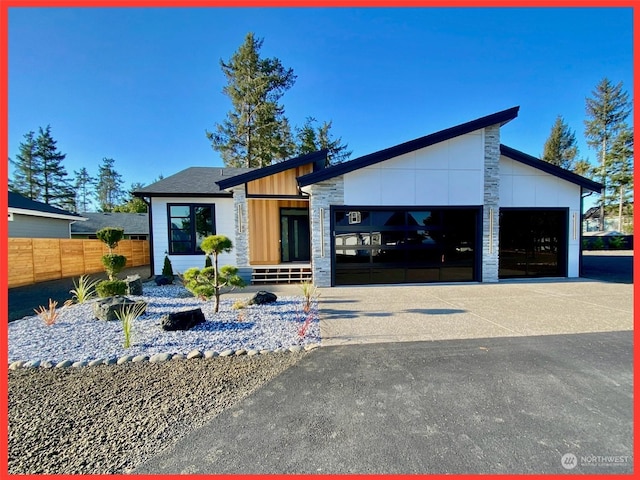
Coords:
pixel 225 225
pixel 522 186
pixel 447 173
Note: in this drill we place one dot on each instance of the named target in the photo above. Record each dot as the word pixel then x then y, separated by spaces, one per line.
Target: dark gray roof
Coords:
pixel 18 201
pixel 192 182
pixel 133 223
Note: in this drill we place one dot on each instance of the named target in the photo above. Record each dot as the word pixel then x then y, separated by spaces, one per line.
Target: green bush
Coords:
pixel 113 264
pixel 110 288
pixel 597 244
pixel 206 283
pixel 110 236
pixel 207 261
pixel 585 244
pixel 617 242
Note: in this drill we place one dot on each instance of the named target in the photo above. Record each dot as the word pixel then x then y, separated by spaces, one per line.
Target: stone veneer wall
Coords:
pixel 323 195
pixel 241 243
pixel 490 246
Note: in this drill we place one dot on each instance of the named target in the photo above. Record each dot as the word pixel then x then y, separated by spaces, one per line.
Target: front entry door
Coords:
pixel 294 235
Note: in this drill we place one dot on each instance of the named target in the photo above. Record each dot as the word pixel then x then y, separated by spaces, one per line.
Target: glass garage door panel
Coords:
pixel 533 243
pixel 405 245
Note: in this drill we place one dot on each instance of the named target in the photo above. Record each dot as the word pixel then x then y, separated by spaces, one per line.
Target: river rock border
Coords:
pixel 156 358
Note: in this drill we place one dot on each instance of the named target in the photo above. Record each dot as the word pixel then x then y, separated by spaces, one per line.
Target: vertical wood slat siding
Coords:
pixel 33 260
pixel 264 229
pixel 283 183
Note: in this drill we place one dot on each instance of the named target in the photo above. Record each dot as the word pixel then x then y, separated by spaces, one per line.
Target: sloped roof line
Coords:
pixel 501 117
pixel 549 168
pixel 318 158
pixel 23 205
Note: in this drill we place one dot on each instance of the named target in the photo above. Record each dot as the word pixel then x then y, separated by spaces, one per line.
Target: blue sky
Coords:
pixel 142 85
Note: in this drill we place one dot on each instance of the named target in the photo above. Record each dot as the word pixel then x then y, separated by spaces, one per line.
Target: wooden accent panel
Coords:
pixel 264 229
pixel 283 183
pixel 33 260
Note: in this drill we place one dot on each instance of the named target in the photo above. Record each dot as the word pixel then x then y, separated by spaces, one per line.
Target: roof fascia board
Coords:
pixel 549 168
pixel 36 213
pixel 501 118
pixel 182 195
pixel 236 180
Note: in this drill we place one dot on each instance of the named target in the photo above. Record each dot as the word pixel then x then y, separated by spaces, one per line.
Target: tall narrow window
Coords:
pixel 188 226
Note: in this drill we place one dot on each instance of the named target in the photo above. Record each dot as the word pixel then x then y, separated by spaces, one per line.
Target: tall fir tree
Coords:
pixel 561 148
pixel 109 185
pixel 621 174
pixel 56 187
pixel 256 132
pixel 607 112
pixel 313 137
pixel 27 173
pixel 85 186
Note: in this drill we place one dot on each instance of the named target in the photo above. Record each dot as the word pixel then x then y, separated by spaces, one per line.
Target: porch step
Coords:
pixel 281 274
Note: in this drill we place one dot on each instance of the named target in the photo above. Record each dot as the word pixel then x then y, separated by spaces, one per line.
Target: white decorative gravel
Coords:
pixel 78 336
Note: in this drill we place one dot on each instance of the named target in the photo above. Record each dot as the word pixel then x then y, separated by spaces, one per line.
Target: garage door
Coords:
pixel 533 242
pixel 405 245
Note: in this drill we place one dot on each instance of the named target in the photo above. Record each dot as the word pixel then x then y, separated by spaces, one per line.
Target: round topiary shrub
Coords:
pixel 113 264
pixel 111 288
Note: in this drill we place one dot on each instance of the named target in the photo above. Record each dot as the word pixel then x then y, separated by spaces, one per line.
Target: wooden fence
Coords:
pixel 33 260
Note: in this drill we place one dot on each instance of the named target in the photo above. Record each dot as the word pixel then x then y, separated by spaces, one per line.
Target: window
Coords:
pixel 188 225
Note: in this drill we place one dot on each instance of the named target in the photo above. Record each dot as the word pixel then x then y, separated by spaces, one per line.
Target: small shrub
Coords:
pixel 206 282
pixel 84 290
pixel 49 316
pixel 167 268
pixel 110 236
pixel 110 288
pixel 310 293
pixel 597 244
pixel 127 316
pixel 239 305
pixel 207 261
pixel 585 244
pixel 113 264
pixel 617 242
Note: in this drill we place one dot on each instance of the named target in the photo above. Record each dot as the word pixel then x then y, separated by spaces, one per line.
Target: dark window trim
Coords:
pixel 191 206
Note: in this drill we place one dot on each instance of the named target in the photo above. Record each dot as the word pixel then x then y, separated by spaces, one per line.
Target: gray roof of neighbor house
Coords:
pixel 21 204
pixel 192 182
pixel 132 223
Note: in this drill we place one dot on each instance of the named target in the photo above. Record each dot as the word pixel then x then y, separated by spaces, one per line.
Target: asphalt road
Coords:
pixel 500 405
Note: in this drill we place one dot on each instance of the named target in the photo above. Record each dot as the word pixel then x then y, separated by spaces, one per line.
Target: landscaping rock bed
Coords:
pixel 77 337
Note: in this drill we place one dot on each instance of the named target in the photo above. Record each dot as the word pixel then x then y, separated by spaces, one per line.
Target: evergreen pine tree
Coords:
pixel 621 173
pixel 133 204
pixel 561 147
pixel 85 189
pixel 109 185
pixel 256 132
pixel 56 189
pixel 312 138
pixel 27 174
pixel 606 111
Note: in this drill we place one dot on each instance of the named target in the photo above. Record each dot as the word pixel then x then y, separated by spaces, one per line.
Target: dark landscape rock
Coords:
pixel 262 297
pixel 134 285
pixel 163 280
pixel 184 320
pixel 106 308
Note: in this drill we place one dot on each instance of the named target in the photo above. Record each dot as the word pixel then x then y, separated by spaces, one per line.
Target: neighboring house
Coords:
pixel 31 219
pixel 456 205
pixel 135 225
pixel 591 222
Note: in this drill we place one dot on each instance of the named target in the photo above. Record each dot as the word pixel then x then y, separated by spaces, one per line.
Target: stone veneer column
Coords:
pixel 241 243
pixel 490 244
pixel 323 195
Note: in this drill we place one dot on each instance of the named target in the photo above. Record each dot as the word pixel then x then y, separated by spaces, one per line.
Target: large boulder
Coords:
pixel 262 297
pixel 106 308
pixel 184 320
pixel 134 285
